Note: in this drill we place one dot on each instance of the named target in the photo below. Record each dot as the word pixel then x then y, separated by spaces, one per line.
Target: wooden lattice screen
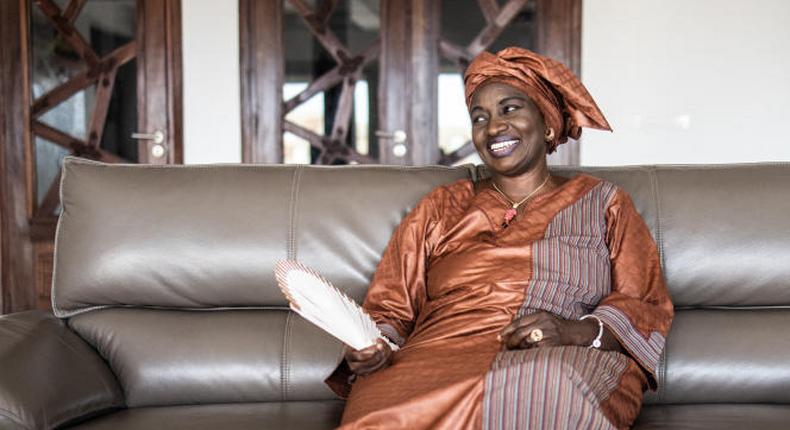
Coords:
pixel 332 148
pixel 100 71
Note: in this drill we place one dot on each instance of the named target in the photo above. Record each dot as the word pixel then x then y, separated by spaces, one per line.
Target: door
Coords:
pixel 360 81
pixel 99 80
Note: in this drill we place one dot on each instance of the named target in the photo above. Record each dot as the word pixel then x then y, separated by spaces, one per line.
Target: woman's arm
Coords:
pixel 639 311
pixel 636 315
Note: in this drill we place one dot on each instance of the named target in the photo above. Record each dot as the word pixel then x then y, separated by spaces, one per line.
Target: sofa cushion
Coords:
pixel 714 417
pixel 169 357
pixel 276 415
pixel 49 375
pixel 727 356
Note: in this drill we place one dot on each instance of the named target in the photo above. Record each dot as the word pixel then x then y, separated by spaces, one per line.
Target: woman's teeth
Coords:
pixel 503 145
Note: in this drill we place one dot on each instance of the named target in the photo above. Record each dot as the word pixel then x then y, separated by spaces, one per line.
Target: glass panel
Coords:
pixel 53 61
pixel 362 117
pixel 107 25
pixel 309 114
pixel 49 157
pixel 295 149
pixel 356 25
pixel 121 119
pixel 462 20
pixel 522 31
pixel 454 125
pixel 73 115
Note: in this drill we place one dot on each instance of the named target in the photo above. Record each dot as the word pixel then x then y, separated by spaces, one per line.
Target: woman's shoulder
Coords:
pixel 453 192
pixel 445 199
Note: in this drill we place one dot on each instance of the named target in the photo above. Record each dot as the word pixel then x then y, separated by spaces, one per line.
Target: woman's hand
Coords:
pixel 370 359
pixel 555 331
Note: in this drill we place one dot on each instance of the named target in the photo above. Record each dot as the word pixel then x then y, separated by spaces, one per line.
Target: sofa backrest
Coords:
pixel 167 271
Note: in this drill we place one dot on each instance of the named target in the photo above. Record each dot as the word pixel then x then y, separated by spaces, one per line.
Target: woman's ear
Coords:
pixel 549 136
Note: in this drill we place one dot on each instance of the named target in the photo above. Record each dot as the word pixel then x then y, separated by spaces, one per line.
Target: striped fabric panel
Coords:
pixel 571 271
pixel 646 351
pixel 550 388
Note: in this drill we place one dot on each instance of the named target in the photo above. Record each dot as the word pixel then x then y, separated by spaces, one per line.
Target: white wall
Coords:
pixel 212 127
pixel 688 81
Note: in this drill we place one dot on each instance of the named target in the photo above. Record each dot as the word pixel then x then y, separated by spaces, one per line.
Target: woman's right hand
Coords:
pixel 370 359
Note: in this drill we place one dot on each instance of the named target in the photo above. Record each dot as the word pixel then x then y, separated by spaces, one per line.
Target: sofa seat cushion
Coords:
pixel 274 415
pixel 714 416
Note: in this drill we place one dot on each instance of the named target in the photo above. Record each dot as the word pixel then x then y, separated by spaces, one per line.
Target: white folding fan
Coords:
pixel 318 301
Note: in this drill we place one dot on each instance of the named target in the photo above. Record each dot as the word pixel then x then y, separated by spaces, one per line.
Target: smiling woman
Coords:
pixel 519 301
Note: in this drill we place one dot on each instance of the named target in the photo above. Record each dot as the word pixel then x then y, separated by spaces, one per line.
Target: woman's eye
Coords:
pixel 478 119
pixel 510 108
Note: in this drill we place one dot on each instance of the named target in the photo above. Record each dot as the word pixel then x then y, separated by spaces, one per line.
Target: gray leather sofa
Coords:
pixel 168 316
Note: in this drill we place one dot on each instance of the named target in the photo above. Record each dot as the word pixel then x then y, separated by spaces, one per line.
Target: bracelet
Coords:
pixel 596 343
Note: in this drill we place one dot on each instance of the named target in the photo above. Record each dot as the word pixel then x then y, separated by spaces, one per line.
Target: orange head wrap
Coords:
pixel 562 99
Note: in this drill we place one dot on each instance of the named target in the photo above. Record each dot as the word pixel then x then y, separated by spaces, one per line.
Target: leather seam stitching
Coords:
pixel 660 243
pixel 657 199
pixel 291 251
pixel 284 367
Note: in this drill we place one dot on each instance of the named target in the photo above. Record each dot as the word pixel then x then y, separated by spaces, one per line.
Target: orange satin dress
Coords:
pixel 452 277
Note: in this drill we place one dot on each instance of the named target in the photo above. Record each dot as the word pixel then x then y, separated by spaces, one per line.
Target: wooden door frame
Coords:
pixel 16 260
pixel 19 230
pixel 262 67
pixel 408 57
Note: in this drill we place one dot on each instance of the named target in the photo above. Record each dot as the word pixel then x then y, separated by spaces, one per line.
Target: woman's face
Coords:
pixel 507 129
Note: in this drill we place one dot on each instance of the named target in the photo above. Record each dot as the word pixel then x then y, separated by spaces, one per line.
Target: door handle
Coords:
pixel 397 136
pixel 158 149
pixel 157 136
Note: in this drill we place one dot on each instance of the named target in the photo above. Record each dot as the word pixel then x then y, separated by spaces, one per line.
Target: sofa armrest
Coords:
pixel 49 375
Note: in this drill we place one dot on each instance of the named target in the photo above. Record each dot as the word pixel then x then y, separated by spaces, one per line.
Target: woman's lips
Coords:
pixel 502 147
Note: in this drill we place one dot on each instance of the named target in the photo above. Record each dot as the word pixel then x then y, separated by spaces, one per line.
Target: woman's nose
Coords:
pixel 496 126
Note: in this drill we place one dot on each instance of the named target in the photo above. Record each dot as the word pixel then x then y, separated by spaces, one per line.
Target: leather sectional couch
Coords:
pixel 167 314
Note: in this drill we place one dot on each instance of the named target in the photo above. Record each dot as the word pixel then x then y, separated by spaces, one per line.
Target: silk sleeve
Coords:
pixel 397 291
pixel 639 310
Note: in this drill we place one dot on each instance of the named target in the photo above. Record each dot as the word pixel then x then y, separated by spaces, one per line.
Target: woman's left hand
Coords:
pixel 554 331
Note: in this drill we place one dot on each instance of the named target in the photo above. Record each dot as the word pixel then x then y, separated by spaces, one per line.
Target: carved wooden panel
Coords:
pixel 98 72
pixel 332 146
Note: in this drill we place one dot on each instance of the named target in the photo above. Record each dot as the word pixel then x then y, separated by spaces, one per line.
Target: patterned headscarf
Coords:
pixel 556 91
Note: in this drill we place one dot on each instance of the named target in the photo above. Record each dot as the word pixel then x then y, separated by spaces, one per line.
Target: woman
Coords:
pixel 522 301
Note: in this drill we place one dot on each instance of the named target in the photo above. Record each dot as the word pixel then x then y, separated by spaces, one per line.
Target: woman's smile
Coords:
pixel 502 146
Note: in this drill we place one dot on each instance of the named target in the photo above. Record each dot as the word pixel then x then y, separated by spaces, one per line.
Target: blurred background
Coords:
pixel 355 82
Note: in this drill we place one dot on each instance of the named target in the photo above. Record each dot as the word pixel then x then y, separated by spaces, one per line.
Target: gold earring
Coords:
pixel 549 134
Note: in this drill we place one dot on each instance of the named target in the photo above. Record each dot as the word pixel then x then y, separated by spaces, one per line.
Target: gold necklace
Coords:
pixel 513 210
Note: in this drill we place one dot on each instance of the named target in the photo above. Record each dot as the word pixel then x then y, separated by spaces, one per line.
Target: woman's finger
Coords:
pixel 362 354
pixel 370 366
pixel 522 338
pixel 518 323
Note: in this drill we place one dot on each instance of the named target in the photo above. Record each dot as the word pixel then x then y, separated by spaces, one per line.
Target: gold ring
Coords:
pixel 536 335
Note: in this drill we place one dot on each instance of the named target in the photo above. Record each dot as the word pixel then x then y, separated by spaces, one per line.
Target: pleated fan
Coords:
pixel 315 298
